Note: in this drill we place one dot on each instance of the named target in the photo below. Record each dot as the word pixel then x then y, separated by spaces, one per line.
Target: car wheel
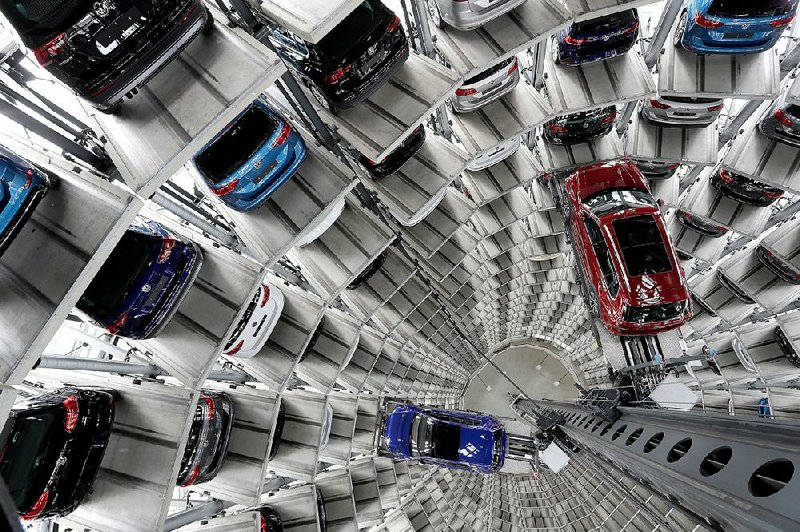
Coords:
pixel 435 14
pixel 677 38
pixel 321 98
pixel 208 27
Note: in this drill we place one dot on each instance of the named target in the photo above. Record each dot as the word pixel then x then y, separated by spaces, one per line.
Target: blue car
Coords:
pixel 22 187
pixel 733 26
pixel 596 39
pixel 447 438
pixel 142 283
pixel 251 158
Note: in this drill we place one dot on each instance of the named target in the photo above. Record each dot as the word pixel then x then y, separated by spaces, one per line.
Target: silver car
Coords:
pixel 493 156
pixel 468 14
pixel 486 87
pixel 682 111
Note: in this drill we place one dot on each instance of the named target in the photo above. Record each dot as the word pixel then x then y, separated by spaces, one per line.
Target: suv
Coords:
pixel 578 128
pixel 596 39
pixel 624 250
pixel 22 187
pixel 107 49
pixel 352 61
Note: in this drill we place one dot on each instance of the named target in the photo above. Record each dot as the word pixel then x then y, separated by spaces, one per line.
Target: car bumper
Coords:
pixel 578 55
pixel 260 326
pixel 352 96
pixel 23 214
pixel 642 329
pixel 464 19
pixel 466 104
pixel 484 161
pixel 665 119
pixel 702 42
pixel 577 136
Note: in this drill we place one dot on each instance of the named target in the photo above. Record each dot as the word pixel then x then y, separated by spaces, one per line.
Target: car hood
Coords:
pixel 397 431
pixel 604 176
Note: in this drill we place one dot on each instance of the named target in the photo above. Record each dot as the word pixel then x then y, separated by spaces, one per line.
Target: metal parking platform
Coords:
pixel 515 171
pixel 560 158
pixel 647 141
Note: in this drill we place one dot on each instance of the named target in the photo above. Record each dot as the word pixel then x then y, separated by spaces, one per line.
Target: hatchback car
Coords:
pixel 786 346
pixel 467 15
pixel 657 169
pixel 743 189
pixel 784 268
pixel 700 224
pixel 578 128
pixel 596 39
pixel 624 250
pixel 486 87
pixel 257 323
pixel 208 438
pixel 105 50
pixel 447 438
pixel 52 449
pixel 251 158
pixel 352 61
pixel 399 156
pixel 142 282
pixel 733 26
pixel 491 157
pixel 22 187
pixel 782 123
pixel 682 111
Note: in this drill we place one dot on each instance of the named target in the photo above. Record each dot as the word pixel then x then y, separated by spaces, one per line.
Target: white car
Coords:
pixel 257 323
pixel 327 423
pixel 495 155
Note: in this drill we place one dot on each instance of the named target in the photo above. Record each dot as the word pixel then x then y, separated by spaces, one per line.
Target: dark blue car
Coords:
pixel 733 26
pixel 22 187
pixel 596 39
pixel 251 158
pixel 447 438
pixel 142 283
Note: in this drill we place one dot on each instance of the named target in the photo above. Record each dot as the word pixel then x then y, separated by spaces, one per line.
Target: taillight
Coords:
pixel 334 77
pixel 264 294
pixel 783 118
pixel 118 323
pixel 719 107
pixel 394 24
pixel 166 250
pixel 51 49
pixel 286 130
pixel 704 22
pixel 37 508
pixel 556 128
pixel 610 118
pixel 192 477
pixel 782 22
pixel 235 349
pixel 263 524
pixel 514 67
pixel 673 166
pixel 70 413
pixel 465 92
pixel 189 12
pixel 569 39
pixel 633 28
pixel 659 105
pixel 29 181
pixel 774 195
pixel 211 408
pixel 226 189
pixel 725 176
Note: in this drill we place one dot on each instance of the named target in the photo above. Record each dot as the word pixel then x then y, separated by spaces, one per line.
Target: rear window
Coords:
pixel 349 33
pixel 642 246
pixel 236 145
pixel 604 24
pixel 793 110
pixel 35 20
pixel 490 71
pixel 616 200
pixel 749 8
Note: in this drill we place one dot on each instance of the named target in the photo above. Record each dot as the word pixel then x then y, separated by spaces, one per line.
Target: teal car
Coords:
pixel 23 187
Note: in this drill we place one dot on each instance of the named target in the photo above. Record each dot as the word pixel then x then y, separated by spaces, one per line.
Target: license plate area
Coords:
pixel 683 114
pixel 737 35
pixel 119 30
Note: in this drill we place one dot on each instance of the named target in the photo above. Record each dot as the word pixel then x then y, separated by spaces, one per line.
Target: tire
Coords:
pixel 677 38
pixel 208 27
pixel 435 14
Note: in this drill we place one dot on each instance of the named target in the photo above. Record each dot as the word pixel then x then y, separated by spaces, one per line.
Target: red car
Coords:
pixel 625 252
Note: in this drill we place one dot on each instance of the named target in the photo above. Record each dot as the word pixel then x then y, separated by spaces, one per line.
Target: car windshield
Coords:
pixel 749 8
pixel 106 293
pixel 435 440
pixel 605 24
pixel 350 32
pixel 616 200
pixel 38 19
pixel 236 145
pixel 37 440
pixel 642 245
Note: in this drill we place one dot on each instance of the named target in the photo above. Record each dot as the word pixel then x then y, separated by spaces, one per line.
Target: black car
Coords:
pixel 576 128
pixel 780 266
pixel 208 439
pixel 657 170
pixel 596 39
pixel 53 447
pixel 743 189
pixel 347 65
pixel 700 224
pixel 276 435
pixel 734 289
pixel 369 271
pixel 322 514
pixel 270 520
pixel 786 346
pixel 782 123
pixel 395 160
pixel 107 49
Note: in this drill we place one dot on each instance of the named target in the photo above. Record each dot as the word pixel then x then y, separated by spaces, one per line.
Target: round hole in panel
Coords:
pixel 619 432
pixel 679 450
pixel 771 478
pixel 715 461
pixel 653 442
pixel 634 436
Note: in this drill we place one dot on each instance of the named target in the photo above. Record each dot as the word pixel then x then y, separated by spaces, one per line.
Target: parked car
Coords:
pixel 743 189
pixel 447 438
pixel 700 302
pixel 52 449
pixel 596 39
pixel 624 250
pixel 656 169
pixel 276 435
pixel 106 50
pixel 577 128
pixel 369 271
pixel 765 409
pixel 399 156
pixel 313 340
pixel 780 266
pixel 322 514
pixel 22 187
pixel 783 341
pixel 467 15
pixel 682 111
pixel 269 520
pixel 491 157
pixel 700 224
pixel 733 26
pixel 744 355
pixel 352 61
pixel 487 86
pixel 781 122
pixel 208 438
pixel 251 158
pixel 734 288
pixel 142 282
pixel 257 323
pixel 327 424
